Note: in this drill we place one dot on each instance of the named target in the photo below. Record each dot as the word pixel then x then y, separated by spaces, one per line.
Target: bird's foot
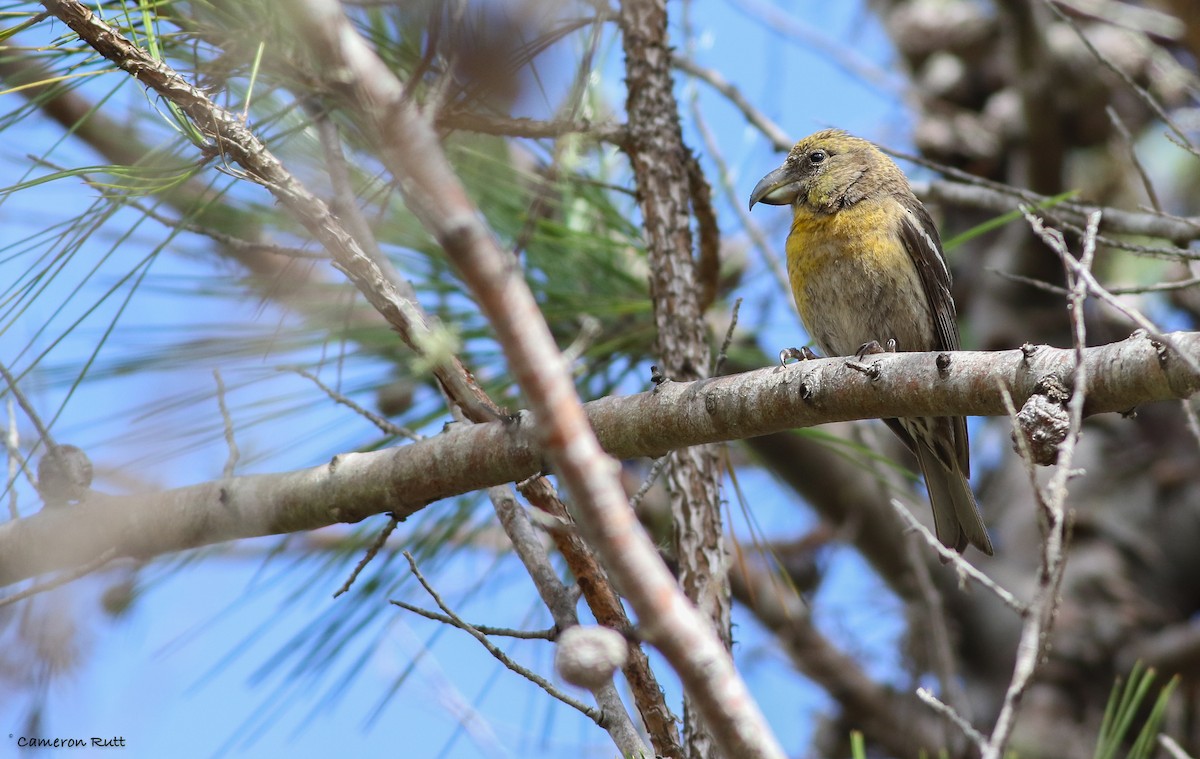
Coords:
pixel 870 349
pixel 873 347
pixel 796 354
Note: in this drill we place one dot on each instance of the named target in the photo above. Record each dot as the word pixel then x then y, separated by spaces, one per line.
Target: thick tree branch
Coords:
pixel 403 480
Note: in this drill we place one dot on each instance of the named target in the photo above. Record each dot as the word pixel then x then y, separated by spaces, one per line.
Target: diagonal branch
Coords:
pixel 384 290
pixel 408 146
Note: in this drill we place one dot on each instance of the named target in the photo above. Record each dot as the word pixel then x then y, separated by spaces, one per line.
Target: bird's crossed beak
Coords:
pixel 779 188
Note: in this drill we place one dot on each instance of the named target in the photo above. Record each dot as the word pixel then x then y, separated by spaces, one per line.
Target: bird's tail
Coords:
pixel 955 516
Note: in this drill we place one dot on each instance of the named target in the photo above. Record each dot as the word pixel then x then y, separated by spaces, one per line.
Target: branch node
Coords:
pixel 1043 421
pixel 871 370
pixel 943 365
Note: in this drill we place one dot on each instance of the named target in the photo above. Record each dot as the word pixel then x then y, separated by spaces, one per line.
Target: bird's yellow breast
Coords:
pixel 853 279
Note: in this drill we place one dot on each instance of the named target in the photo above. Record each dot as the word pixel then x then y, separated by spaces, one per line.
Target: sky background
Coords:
pixel 187 672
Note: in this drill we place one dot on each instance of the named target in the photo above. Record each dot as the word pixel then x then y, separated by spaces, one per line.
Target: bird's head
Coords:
pixel 827 171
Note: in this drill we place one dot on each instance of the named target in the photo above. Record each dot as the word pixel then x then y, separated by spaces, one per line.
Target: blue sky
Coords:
pixel 181 673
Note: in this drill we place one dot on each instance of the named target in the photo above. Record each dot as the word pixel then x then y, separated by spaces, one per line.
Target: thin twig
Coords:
pixel 722 355
pixel 223 238
pixel 549 633
pixel 589 330
pixel 845 57
pixel 1157 287
pixel 1079 270
pixel 977 192
pixel 1123 131
pixel 227 420
pixel 594 714
pixel 1024 280
pixel 779 138
pixel 27 407
pixel 957 719
pixel 530 128
pixel 1035 632
pixel 61 580
pixel 960 564
pixel 944 661
pixel 384 425
pixel 372 552
pixel 1142 93
pixel 655 470
pixel 725 180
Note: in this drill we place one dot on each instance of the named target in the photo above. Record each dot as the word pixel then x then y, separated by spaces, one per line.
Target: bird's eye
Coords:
pixel 817 156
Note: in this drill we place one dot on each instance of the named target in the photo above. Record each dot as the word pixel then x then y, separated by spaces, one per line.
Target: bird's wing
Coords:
pixel 924 247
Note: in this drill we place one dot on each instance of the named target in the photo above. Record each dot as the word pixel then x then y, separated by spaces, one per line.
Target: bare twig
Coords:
pixel 779 138
pixel 1143 94
pixel 593 714
pixel 1127 138
pixel 530 128
pixel 61 580
pixel 499 632
pixel 975 192
pixel 951 714
pixel 648 482
pixel 934 620
pixel 1157 287
pixel 1083 273
pixel 844 57
pixel 736 201
pixel 27 407
pixel 723 354
pixel 1045 287
pixel 1035 631
pixel 372 552
pixel 1135 17
pixel 960 564
pixel 385 425
pixel 561 603
pixel 227 422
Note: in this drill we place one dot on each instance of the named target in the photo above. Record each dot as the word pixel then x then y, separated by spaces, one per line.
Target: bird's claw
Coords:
pixel 873 347
pixel 796 354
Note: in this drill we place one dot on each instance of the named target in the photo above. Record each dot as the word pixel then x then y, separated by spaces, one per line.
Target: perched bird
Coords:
pixel 865 264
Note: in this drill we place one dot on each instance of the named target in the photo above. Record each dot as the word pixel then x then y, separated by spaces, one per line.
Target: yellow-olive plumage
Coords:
pixel 865 264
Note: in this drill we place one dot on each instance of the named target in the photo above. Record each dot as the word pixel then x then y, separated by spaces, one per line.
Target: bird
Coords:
pixel 865 264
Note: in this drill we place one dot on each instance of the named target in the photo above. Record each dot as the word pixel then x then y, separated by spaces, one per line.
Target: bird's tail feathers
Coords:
pixel 956 518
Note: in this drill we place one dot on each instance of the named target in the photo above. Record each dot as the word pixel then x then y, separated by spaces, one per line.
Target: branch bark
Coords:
pixel 403 480
pixel 660 161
